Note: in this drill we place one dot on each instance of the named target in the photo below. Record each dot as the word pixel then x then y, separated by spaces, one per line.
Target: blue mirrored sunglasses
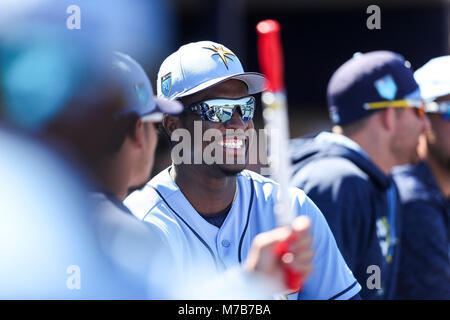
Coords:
pixel 221 110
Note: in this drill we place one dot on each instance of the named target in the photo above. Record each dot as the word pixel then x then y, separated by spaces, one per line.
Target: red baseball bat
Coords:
pixel 270 55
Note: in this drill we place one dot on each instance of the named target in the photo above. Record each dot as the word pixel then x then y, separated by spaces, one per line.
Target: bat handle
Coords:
pixel 293 279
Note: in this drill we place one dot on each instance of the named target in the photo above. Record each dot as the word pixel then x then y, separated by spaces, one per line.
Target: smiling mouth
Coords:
pixel 232 143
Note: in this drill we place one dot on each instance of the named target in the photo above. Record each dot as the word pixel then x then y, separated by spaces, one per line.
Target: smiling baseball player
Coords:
pixel 213 211
pixel 118 156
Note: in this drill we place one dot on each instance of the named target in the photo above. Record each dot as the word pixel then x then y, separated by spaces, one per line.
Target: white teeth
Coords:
pixel 232 144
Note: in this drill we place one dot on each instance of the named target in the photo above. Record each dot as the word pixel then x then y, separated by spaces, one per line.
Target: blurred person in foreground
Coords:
pixel 108 129
pixel 424 190
pixel 212 209
pixel 375 104
pixel 48 248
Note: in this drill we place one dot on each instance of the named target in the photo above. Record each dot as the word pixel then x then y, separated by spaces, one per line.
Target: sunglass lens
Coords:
pixel 247 112
pixel 223 113
pixel 222 110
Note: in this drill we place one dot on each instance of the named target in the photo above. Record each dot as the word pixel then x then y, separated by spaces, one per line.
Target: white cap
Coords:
pixel 200 65
pixel 434 78
pixel 139 92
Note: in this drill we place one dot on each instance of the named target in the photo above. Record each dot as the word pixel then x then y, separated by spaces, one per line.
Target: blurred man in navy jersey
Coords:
pixel 425 194
pixel 375 104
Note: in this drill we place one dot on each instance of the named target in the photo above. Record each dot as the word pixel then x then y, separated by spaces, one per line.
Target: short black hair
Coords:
pixel 355 126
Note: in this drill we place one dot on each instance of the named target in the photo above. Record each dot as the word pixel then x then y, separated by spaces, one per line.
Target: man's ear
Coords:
pixel 171 123
pixel 139 134
pixel 388 119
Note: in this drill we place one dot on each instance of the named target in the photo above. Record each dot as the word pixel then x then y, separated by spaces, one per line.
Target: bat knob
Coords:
pixel 268 26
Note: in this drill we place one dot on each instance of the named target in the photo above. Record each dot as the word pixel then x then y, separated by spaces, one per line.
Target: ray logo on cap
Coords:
pixel 141 93
pixel 222 53
pixel 166 84
pixel 386 87
pixel 197 66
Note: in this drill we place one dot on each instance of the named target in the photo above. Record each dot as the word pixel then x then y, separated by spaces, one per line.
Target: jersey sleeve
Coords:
pixel 331 279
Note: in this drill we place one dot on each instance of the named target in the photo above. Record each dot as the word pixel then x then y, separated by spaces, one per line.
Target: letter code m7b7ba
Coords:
pixel 243 309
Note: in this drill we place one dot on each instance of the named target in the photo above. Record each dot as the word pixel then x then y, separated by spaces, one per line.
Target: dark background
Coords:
pixel 318 36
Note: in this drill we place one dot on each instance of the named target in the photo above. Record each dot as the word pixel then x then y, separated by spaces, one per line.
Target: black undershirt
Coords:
pixel 217 219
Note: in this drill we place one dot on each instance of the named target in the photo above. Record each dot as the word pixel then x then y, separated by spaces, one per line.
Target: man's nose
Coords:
pixel 236 121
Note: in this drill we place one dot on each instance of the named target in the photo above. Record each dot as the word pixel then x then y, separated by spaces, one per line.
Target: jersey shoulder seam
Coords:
pixel 159 202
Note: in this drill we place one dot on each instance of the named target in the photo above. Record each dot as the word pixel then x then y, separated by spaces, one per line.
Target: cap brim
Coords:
pixel 168 106
pixel 153 117
pixel 255 82
pixel 163 106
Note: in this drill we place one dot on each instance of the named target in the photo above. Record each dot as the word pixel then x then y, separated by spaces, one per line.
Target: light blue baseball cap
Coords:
pixel 138 91
pixel 200 65
pixel 434 78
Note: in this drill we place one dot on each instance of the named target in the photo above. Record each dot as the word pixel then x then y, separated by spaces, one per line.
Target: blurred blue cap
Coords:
pixel 369 77
pixel 44 63
pixel 138 92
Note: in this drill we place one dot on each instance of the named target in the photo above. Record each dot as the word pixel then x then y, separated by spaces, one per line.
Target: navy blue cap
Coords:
pixel 370 77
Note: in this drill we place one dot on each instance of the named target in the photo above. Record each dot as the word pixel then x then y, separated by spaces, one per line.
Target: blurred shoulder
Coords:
pixel 331 169
pixel 414 182
pixel 269 188
pixel 141 202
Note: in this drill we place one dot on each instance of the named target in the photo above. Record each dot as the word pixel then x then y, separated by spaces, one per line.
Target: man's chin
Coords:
pixel 232 169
